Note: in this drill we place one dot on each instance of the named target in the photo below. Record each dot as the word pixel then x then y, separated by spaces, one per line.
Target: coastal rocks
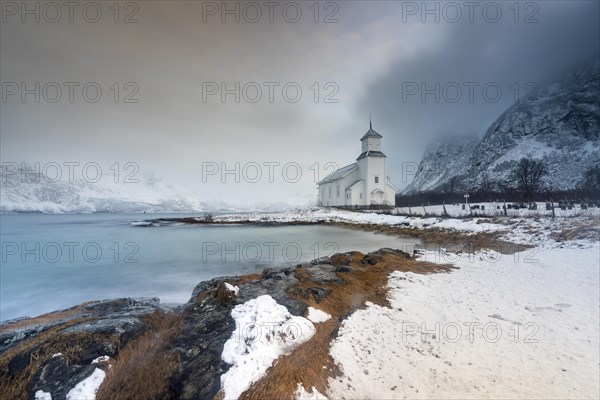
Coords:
pixel 103 328
pixel 323 274
pixel 208 325
pixel 57 350
pixel 57 377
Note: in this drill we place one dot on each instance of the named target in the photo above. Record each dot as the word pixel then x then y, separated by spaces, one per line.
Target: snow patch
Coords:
pixel 233 289
pixel 87 388
pixel 316 315
pixel 41 395
pixel 100 359
pixel 302 394
pixel 264 330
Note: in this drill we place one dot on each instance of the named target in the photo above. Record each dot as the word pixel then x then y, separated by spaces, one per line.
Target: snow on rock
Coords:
pixel 233 289
pixel 302 394
pixel 100 359
pixel 87 388
pixel 264 330
pixel 41 395
pixel 316 315
pixel 508 326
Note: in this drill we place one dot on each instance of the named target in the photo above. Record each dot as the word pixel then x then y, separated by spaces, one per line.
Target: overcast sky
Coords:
pixel 368 58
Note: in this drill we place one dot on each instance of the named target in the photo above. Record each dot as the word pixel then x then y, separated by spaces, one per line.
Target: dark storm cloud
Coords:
pixel 503 55
pixel 368 53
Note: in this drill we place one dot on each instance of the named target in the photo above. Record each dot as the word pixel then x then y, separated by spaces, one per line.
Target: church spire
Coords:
pixel 370 122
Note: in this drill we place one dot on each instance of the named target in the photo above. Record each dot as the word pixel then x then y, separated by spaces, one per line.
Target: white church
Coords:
pixel 364 183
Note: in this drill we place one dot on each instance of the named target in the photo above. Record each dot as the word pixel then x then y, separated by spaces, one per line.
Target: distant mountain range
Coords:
pixel 29 191
pixel 25 191
pixel 559 123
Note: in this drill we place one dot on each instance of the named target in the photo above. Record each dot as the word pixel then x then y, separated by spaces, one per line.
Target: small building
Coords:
pixel 364 183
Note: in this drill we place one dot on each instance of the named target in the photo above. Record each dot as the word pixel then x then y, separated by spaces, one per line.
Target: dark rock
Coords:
pixel 317 292
pixel 20 361
pixel 369 260
pixel 57 377
pixel 323 274
pixel 124 328
pixel 321 260
pixel 386 250
pixel 207 326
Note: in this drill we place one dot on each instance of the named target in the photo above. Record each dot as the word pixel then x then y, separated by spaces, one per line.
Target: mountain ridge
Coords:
pixel 558 123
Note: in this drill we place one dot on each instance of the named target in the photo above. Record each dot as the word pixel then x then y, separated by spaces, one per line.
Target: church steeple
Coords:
pixel 370 123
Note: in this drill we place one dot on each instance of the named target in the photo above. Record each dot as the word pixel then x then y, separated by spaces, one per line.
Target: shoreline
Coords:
pixel 188 360
pixel 327 283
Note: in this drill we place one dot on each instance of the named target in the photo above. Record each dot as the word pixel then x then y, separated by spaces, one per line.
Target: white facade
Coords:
pixel 363 183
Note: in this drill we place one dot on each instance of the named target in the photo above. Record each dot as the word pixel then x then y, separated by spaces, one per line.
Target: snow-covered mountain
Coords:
pixel 26 190
pixel 440 162
pixel 559 123
pixel 29 191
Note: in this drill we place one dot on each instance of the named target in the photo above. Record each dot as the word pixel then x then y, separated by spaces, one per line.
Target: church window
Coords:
pixel 376 179
pixel 338 190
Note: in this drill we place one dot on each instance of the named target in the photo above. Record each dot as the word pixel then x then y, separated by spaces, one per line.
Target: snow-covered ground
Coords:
pixel 524 325
pixel 535 231
pixel 518 326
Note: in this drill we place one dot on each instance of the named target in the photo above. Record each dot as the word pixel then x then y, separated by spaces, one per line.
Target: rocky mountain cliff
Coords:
pixel 558 123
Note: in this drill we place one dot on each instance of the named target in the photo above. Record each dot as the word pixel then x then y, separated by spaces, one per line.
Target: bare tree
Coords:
pixel 451 186
pixel 486 185
pixel 528 174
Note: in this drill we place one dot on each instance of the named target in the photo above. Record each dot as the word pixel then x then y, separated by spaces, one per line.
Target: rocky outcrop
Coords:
pixel 54 352
pixel 557 122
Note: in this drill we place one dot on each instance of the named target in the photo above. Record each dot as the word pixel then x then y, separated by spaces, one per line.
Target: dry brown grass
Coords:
pixel 589 230
pixel 144 367
pixel 305 365
pixel 40 348
pixel 455 240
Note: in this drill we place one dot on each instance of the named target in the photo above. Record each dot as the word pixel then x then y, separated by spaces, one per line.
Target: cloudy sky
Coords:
pixel 187 91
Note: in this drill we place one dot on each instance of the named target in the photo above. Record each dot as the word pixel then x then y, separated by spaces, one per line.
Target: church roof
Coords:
pixel 340 173
pixel 354 184
pixel 371 153
pixel 371 133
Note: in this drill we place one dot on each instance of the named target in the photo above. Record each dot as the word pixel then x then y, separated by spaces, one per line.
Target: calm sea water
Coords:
pixel 51 262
